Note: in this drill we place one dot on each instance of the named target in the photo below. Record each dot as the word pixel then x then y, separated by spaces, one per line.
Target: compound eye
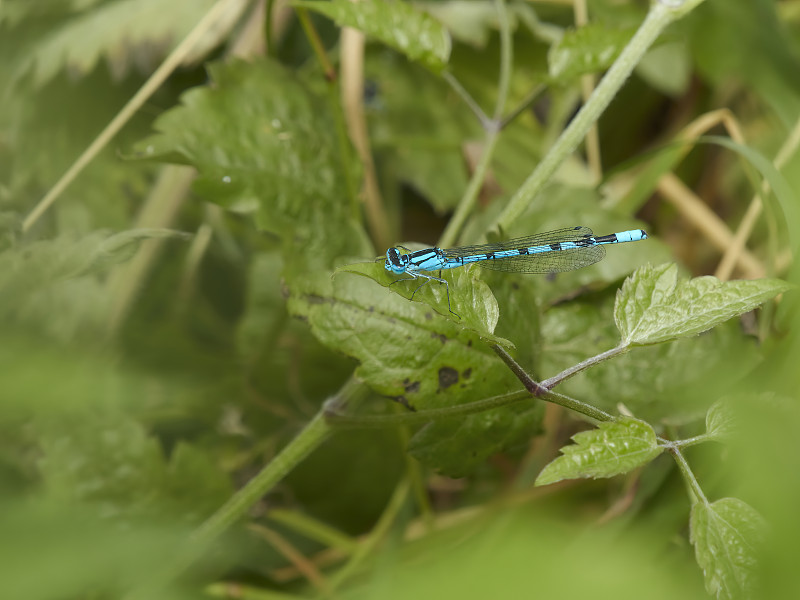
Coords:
pixel 394 257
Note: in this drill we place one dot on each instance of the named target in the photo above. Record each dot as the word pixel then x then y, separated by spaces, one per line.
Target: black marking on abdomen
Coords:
pixel 490 255
pixel 606 239
pixel 522 251
pixel 556 246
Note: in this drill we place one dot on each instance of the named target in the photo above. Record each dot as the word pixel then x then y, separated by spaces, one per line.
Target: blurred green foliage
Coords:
pixel 160 344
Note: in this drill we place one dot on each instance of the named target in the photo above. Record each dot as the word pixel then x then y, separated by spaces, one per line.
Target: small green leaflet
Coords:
pixel 720 421
pixel 654 306
pixel 397 24
pixel 726 535
pixel 614 447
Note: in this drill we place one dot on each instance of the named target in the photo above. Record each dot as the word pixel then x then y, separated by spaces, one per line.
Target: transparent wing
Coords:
pixel 568 234
pixel 554 261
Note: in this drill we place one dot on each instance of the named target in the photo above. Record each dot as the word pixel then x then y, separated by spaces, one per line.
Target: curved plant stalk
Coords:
pixel 661 14
pixel 492 126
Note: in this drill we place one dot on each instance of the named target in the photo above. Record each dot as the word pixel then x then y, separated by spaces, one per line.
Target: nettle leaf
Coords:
pixel 470 298
pixel 406 350
pixel 412 354
pixel 726 535
pixel 397 24
pixel 124 32
pixel 265 145
pixel 653 306
pixel 588 49
pixel 614 447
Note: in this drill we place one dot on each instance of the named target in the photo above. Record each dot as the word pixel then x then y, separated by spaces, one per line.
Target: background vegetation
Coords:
pixel 208 389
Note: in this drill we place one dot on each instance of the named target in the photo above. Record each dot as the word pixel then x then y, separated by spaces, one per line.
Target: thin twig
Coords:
pixel 467 98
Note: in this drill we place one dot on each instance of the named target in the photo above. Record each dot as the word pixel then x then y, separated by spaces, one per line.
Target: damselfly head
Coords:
pixel 396 262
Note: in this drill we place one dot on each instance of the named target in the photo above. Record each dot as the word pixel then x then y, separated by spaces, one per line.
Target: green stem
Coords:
pixel 375 537
pixel 506 59
pixel 345 149
pixel 659 16
pixel 465 96
pixel 585 364
pixel 522 106
pixel 540 391
pixel 688 442
pixel 316 43
pixel 491 126
pixel 313 529
pixel 472 192
pixel 688 476
pixel 310 438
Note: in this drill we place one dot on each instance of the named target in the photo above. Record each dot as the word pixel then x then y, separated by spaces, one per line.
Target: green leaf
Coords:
pixel 397 24
pixel 614 447
pixel 406 350
pixel 726 535
pixel 589 49
pixel 720 421
pixel 456 446
pixel 667 67
pixel 469 22
pixel 265 145
pixel 655 306
pixel 124 32
pixel 423 360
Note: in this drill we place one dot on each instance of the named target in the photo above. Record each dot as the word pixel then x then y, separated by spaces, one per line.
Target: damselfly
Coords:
pixel 549 252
